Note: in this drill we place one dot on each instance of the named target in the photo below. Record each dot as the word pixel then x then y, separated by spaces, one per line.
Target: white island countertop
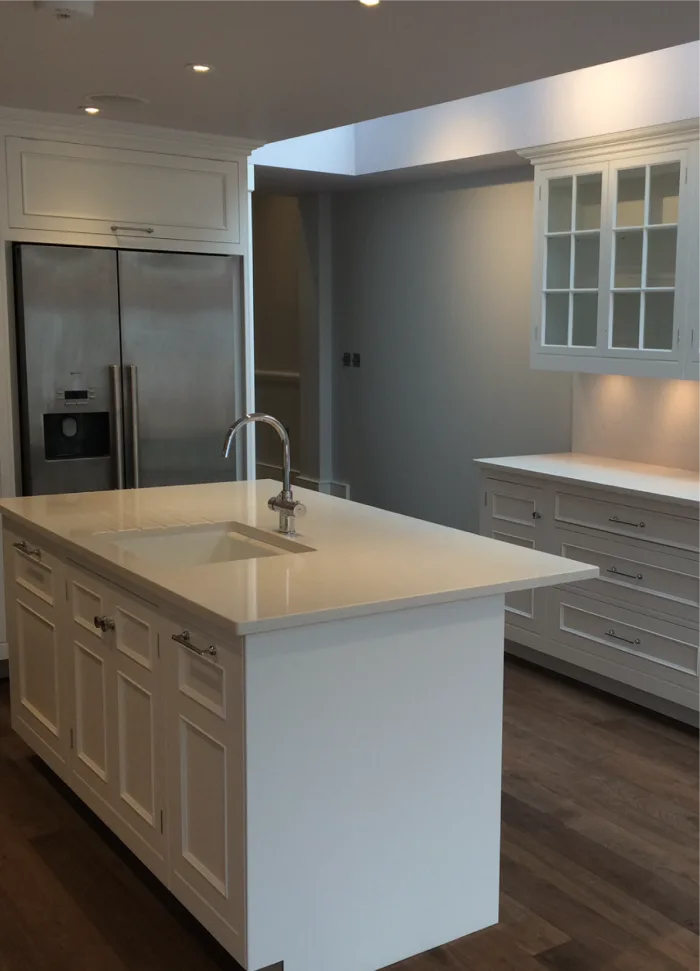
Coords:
pixel 361 561
pixel 652 481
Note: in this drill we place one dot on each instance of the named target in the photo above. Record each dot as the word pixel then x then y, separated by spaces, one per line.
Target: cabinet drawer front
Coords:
pixel 513 504
pixel 615 630
pixel 88 188
pixel 625 520
pixel 646 578
pixel 33 570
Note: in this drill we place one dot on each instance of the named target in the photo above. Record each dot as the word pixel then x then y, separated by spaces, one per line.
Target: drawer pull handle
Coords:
pixel 185 639
pixel 104 624
pixel 24 547
pixel 537 515
pixel 630 576
pixel 626 522
pixel 619 637
pixel 131 229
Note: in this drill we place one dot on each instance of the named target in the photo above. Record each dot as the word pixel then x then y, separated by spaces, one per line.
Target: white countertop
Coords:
pixel 654 481
pixel 363 560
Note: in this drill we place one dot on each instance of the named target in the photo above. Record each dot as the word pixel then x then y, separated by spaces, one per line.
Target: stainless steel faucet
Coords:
pixel 283 503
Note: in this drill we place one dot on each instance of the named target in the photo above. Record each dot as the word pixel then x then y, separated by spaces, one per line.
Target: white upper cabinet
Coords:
pixel 70 187
pixel 616 246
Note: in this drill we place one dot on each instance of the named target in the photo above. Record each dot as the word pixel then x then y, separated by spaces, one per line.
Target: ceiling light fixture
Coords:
pixel 369 3
pixel 200 68
pixel 90 109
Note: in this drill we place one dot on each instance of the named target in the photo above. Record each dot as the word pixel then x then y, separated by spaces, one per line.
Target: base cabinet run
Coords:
pixel 148 732
pixel 637 624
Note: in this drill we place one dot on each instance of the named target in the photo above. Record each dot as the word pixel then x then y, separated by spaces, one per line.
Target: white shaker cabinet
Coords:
pixel 615 267
pixel 636 625
pixel 39 679
pixel 118 733
pixel 513 514
pixel 206 790
pixel 79 188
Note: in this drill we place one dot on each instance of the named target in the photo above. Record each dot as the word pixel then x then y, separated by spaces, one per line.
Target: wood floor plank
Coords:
pixel 599 863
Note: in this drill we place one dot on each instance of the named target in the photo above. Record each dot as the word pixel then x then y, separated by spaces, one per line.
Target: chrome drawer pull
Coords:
pixel 24 547
pixel 630 576
pixel 131 229
pixel 618 637
pixel 625 522
pixel 185 639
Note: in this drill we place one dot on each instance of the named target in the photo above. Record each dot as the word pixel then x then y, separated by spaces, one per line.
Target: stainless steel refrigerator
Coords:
pixel 129 366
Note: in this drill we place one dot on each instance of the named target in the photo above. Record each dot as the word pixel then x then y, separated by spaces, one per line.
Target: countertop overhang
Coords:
pixel 363 560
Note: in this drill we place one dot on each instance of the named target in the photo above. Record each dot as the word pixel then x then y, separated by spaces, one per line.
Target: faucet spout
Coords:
pixel 284 502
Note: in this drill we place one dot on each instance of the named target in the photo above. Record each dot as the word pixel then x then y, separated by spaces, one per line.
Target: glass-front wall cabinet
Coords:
pixel 615 260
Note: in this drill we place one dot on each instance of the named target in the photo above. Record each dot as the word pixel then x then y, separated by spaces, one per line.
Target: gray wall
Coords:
pixel 432 285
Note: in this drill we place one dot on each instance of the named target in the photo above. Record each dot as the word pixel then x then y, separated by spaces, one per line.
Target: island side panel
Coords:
pixel 373 755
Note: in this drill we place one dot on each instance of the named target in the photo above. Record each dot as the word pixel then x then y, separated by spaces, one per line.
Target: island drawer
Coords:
pixel 640 575
pixel 627 520
pixel 606 629
pixel 33 569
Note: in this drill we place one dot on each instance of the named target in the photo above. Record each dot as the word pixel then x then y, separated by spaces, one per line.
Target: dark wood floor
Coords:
pixel 599 872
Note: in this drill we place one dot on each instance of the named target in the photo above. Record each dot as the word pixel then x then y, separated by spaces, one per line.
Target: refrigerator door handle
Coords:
pixel 117 420
pixel 133 373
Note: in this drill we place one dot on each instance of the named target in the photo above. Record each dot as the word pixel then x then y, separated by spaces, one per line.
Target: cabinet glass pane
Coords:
pixel 664 189
pixel 658 321
pixel 628 259
pixel 588 195
pixel 625 329
pixel 585 320
pixel 586 260
pixel 556 320
pixel 558 262
pixel 559 209
pixel 630 197
pixel 661 257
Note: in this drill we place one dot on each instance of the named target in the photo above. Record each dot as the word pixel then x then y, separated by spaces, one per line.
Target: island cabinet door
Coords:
pixel 205 779
pixel 514 513
pixel 119 735
pixel 39 685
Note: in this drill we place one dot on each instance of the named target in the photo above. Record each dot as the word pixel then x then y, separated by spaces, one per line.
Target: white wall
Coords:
pixel 637 419
pixel 635 92
pixel 432 286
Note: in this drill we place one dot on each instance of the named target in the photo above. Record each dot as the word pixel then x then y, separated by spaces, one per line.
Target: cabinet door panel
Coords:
pixel 206 799
pixel 39 681
pixel 91 716
pixel 513 514
pixel 139 796
pixel 37 649
pixel 92 189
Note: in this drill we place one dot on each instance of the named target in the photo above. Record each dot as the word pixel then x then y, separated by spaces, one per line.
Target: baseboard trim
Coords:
pixel 598 681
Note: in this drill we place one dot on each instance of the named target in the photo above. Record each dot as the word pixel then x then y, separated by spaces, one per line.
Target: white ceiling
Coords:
pixel 289 67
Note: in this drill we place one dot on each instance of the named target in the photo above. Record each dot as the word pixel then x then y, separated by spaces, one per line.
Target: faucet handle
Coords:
pixel 299 510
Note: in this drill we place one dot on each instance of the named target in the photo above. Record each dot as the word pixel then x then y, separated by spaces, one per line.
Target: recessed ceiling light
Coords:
pixel 200 68
pixel 90 109
pixel 369 3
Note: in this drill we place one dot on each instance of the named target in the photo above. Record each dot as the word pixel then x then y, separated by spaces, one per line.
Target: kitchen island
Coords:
pixel 301 737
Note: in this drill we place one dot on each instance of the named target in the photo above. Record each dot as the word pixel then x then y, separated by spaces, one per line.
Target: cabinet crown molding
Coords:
pixel 635 140
pixel 27 123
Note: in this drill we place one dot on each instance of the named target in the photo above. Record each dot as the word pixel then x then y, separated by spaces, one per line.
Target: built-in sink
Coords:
pixel 178 546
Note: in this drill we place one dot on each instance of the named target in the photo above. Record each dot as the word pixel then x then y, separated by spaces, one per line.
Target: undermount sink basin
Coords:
pixel 204 543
